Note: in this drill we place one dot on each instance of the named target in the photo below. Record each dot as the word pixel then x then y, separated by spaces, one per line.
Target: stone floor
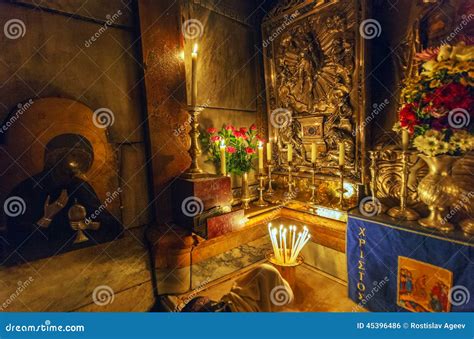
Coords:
pixel 314 292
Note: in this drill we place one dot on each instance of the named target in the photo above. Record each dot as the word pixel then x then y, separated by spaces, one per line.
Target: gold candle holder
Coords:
pixel 246 198
pixel 341 189
pixel 270 190
pixel 194 171
pixel 261 187
pixel 403 212
pixel 381 208
pixel 313 187
pixel 290 180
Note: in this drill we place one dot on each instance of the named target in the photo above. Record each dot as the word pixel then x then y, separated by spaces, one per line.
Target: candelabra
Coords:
pixel 381 208
pixel 313 198
pixel 341 189
pixel 194 171
pixel 261 187
pixel 403 212
pixel 270 190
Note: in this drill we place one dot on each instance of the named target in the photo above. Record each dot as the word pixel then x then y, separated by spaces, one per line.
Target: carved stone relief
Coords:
pixel 312 76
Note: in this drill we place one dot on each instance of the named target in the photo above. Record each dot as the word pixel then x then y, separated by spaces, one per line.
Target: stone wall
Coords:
pixel 230 83
pixel 55 55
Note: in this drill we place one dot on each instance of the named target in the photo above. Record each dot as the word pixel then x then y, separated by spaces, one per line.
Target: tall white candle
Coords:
pixel 223 160
pixel 405 139
pixel 342 154
pixel 314 152
pixel 269 152
pixel 194 75
pixel 260 157
pixel 290 152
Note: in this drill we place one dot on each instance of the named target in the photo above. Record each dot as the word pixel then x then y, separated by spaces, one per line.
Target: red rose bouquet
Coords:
pixel 438 103
pixel 240 146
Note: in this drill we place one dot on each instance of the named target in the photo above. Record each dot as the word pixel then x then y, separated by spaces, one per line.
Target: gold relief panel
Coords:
pixel 315 87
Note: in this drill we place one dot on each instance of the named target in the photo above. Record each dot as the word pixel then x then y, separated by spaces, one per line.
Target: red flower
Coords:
pixel 230 149
pixel 408 117
pixel 239 134
pixel 211 130
pixel 253 127
pixel 243 130
pixel 215 138
pixel 249 150
pixel 453 96
pixel 230 128
pixel 427 98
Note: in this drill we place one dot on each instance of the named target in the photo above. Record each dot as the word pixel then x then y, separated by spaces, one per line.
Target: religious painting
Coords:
pixel 423 287
pixel 64 198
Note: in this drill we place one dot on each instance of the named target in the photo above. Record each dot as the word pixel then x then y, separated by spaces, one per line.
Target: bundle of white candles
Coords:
pixel 286 243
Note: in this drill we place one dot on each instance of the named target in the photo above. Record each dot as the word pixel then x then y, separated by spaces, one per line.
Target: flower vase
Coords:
pixel 245 191
pixel 438 191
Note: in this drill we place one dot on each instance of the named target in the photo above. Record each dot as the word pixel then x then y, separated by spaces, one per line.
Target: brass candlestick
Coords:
pixel 341 189
pixel 313 198
pixel 246 198
pixel 290 181
pixel 261 187
pixel 403 212
pixel 194 171
pixel 270 190
pixel 381 208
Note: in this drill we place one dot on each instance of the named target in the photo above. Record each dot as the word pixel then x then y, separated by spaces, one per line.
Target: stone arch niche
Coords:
pixel 29 128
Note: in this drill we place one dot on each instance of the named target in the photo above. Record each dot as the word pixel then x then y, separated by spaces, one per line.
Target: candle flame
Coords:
pixel 195 48
pixel 222 143
pixel 286 243
pixel 260 144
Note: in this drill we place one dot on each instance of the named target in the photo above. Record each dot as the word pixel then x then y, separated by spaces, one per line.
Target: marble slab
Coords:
pixel 229 261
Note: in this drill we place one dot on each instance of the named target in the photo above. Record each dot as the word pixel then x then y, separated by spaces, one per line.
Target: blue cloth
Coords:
pixel 381 246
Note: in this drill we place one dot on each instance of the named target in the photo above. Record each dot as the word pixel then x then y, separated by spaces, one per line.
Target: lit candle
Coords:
pixel 260 157
pixel 342 152
pixel 314 152
pixel 294 255
pixel 269 152
pixel 405 139
pixel 193 75
pixel 293 239
pixel 290 152
pixel 222 149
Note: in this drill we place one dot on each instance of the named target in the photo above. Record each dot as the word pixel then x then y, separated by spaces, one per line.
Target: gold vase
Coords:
pixel 245 191
pixel 467 226
pixel 438 191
